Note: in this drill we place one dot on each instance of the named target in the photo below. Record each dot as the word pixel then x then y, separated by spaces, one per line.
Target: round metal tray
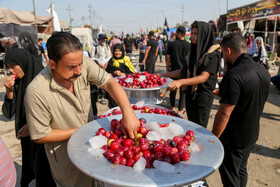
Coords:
pixel 149 95
pixel 200 165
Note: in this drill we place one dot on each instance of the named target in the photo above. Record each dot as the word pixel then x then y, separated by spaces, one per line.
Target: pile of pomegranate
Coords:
pixel 144 109
pixel 124 151
pixel 141 80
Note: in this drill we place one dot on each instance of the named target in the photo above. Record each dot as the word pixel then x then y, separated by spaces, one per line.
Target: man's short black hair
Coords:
pixel 62 43
pixel 40 39
pixel 151 33
pixel 235 41
pixel 181 29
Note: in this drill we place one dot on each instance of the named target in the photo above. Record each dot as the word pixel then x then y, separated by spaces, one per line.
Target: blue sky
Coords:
pixel 129 15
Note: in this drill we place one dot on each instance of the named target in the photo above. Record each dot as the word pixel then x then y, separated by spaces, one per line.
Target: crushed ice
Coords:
pixel 164 166
pixel 98 141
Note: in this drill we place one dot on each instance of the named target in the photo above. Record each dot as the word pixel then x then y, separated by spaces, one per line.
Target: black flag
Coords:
pixel 166 24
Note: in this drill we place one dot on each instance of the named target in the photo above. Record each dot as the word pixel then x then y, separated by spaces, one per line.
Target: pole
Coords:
pixel 265 33
pixel 51 6
pixel 83 19
pixel 226 17
pixel 182 13
pixel 90 15
pixel 34 9
pixel 69 10
pixel 94 16
pixel 275 24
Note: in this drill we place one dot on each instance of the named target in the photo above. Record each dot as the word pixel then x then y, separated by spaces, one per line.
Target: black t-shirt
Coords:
pixel 42 52
pixel 153 44
pixel 178 51
pixel 246 86
pixel 128 43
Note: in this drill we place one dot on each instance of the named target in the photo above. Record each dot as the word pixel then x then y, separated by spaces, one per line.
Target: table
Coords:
pixel 200 165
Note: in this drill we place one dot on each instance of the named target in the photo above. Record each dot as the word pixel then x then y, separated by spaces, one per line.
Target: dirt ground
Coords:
pixel 264 162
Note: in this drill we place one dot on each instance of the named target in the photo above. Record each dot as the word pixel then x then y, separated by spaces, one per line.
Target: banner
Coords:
pixel 259 9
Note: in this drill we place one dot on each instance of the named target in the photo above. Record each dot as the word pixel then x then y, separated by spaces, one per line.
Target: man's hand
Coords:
pixel 9 85
pixel 23 131
pixel 174 85
pixel 216 92
pixel 130 124
pixel 119 73
pixel 143 62
pixel 102 66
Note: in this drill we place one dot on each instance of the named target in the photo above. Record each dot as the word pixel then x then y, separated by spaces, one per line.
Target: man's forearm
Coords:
pixel 146 54
pixel 222 118
pixel 195 80
pixel 118 94
pixel 220 123
pixel 57 135
pixel 172 74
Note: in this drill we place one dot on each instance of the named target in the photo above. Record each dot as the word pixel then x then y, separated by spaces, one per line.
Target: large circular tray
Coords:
pixel 200 165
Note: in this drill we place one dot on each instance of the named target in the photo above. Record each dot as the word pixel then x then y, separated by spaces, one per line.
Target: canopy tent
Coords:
pixel 265 9
pixel 13 22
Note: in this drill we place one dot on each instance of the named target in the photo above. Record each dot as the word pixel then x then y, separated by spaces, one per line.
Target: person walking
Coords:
pixel 176 58
pixel 151 53
pixel 142 45
pixel 160 48
pixel 101 54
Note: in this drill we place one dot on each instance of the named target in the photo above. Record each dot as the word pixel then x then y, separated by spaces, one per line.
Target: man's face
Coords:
pixel 69 67
pixel 194 35
pixel 127 37
pixel 178 34
pixel 226 56
pixel 40 42
pixel 102 40
pixel 145 37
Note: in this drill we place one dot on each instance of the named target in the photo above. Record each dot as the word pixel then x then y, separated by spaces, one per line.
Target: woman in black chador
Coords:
pixel 24 67
pixel 199 75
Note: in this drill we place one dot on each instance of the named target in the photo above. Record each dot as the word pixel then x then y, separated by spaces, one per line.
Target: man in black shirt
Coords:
pixel 151 53
pixel 244 90
pixel 127 45
pixel 176 57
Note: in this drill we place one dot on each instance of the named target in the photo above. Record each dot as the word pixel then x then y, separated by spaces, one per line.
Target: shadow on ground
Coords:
pixel 266 151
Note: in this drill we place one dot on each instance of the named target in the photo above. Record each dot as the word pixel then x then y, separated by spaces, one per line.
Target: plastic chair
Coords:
pixel 272 59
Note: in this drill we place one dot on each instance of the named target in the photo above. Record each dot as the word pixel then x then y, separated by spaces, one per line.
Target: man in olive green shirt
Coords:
pixel 57 103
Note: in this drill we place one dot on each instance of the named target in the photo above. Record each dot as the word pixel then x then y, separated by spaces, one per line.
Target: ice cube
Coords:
pixel 142 77
pixel 195 147
pixel 176 129
pixel 164 166
pixel 152 126
pixel 96 152
pixel 166 133
pixel 98 141
pixel 140 103
pixel 140 164
pixel 129 80
pixel 153 135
